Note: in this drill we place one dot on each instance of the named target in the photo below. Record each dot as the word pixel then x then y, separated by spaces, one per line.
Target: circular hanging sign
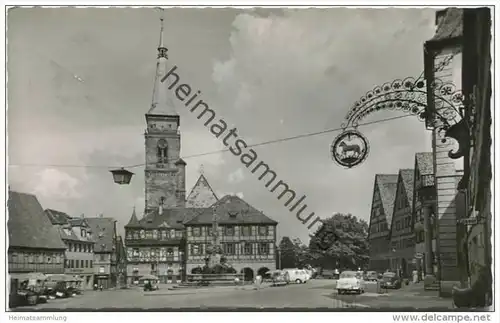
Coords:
pixel 350 148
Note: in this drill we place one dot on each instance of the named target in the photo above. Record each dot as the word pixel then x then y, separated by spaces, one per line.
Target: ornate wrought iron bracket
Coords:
pixel 411 96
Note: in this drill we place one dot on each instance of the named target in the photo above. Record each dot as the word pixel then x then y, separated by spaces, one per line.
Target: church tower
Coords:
pixel 165 170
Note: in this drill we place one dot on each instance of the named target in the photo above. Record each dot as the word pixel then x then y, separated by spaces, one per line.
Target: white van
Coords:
pixel 298 276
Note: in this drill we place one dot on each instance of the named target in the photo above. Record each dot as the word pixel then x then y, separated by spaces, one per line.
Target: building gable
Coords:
pixel 201 195
pixel 401 220
pixel 383 201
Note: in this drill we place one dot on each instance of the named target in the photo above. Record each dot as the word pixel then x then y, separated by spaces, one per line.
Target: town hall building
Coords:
pixel 171 238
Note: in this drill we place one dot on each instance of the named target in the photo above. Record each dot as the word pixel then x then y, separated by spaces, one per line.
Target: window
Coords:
pixel 77 263
pixel 86 264
pixel 164 235
pixel 263 248
pixel 71 264
pixel 247 249
pixel 143 234
pixel 49 259
pixel 101 257
pixel 70 246
pixel 195 249
pixel 66 263
pixel 245 231
pixel 91 264
pixel 178 234
pixel 82 264
pixel 162 151
pixel 196 231
pixel 229 248
pixel 263 230
pixel 209 231
pixel 79 248
pixel 84 233
pixel 170 252
pixel 229 231
pixel 149 234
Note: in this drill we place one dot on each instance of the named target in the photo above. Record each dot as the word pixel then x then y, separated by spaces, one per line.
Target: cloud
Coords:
pixel 271 73
pixel 221 194
pixel 236 176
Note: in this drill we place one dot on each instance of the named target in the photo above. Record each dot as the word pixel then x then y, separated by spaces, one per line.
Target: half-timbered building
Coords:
pixel 34 244
pixel 401 236
pixel 384 192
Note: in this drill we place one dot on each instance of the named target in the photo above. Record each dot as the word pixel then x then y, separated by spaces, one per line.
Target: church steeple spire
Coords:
pixel 162 104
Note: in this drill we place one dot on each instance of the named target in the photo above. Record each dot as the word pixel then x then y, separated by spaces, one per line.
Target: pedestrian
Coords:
pixel 95 286
pixel 100 288
pixel 258 281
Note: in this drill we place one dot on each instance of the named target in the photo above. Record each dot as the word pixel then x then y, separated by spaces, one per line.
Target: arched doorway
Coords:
pixel 248 273
pixel 262 271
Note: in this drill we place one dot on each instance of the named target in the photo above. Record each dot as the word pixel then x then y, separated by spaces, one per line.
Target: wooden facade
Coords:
pixel 239 242
pixel 25 260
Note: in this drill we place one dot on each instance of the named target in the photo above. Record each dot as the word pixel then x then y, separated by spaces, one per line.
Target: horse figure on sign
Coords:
pixel 354 149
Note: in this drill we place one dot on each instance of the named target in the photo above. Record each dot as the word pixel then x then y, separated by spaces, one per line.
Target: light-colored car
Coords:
pixel 298 276
pixel 350 281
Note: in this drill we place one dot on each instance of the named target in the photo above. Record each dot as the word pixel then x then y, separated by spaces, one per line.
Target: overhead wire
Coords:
pixel 264 143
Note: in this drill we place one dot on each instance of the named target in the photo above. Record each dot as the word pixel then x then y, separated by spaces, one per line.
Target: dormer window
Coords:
pixel 84 233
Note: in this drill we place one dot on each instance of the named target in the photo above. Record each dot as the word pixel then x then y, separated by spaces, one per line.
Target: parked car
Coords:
pixel 390 280
pixel 298 276
pixel 278 278
pixel 371 276
pixel 350 281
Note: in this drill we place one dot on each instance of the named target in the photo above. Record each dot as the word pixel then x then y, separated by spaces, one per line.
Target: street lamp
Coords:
pixel 122 176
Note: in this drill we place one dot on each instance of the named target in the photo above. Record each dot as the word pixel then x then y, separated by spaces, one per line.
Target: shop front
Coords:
pixel 103 280
pixel 86 276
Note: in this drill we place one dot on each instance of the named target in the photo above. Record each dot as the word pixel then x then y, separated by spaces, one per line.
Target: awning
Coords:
pixel 60 278
pixel 28 276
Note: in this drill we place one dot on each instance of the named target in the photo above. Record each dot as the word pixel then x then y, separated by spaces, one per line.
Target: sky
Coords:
pixel 81 80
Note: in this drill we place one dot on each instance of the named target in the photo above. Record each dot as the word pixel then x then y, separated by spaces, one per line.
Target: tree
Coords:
pixel 293 253
pixel 286 253
pixel 302 255
pixel 341 242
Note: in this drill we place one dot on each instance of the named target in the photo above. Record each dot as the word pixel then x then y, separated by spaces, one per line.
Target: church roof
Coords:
pixel 231 210
pixel 162 101
pixel 387 184
pixel 201 195
pixel 28 225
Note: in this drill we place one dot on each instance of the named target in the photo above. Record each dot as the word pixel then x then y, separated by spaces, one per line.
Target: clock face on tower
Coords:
pixel 162 143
